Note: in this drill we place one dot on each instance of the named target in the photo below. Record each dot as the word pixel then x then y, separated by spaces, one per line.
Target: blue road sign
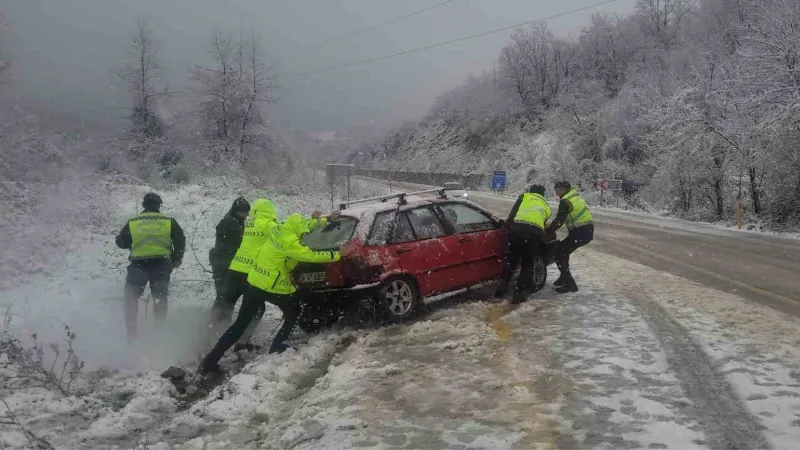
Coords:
pixel 499 180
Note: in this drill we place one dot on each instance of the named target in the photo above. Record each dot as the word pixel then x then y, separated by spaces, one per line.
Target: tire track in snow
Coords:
pixel 625 395
pixel 725 419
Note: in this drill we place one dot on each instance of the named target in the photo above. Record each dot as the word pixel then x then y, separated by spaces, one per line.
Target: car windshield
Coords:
pixel 454 186
pixel 332 236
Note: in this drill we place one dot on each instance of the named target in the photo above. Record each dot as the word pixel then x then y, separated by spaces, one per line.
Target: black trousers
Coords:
pixel 234 285
pixel 524 245
pixel 219 275
pixel 576 239
pixel 252 307
pixel 156 272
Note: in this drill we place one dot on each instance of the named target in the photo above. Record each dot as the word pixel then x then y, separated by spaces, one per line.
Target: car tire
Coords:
pixel 315 317
pixel 398 299
pixel 539 274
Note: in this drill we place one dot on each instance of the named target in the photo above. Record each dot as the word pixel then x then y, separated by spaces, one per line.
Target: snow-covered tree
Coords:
pixel 139 73
pixel 233 91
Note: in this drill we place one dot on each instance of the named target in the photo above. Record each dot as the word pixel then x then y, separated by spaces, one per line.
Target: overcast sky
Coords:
pixel 63 49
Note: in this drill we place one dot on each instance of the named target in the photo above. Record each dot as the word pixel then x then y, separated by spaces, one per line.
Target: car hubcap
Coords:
pixel 539 271
pixel 399 297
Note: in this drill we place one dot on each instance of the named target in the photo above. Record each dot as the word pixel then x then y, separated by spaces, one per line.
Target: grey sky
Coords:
pixel 63 49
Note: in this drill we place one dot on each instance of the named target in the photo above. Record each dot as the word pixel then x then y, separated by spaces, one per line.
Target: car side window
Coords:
pixel 466 219
pixel 381 228
pixel 426 223
pixel 386 231
pixel 402 230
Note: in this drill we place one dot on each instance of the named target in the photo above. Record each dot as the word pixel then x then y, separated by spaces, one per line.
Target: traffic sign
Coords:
pixel 499 180
pixel 610 185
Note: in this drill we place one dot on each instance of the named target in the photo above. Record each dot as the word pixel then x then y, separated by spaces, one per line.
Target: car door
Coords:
pixel 423 248
pixel 481 239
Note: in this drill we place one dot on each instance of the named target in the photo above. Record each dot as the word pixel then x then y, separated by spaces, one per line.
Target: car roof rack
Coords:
pixel 401 197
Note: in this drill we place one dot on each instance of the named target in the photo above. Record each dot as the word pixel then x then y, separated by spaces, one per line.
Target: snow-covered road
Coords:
pixel 639 358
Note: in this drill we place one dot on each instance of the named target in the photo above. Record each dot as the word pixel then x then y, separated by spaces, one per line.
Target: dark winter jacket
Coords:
pixel 564 208
pixel 229 237
pixel 125 240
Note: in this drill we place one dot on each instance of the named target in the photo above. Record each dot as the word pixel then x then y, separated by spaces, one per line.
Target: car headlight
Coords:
pixel 466 195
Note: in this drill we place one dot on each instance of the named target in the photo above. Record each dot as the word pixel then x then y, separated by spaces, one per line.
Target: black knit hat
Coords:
pixel 563 185
pixel 240 205
pixel 151 200
pixel 536 189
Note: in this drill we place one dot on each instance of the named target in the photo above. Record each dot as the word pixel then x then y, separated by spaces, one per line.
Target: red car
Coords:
pixel 397 251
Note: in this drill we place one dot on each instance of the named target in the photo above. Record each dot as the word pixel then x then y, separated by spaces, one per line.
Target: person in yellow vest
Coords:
pixel 270 280
pixel 572 210
pixel 526 228
pixel 261 223
pixel 157 244
pixel 258 225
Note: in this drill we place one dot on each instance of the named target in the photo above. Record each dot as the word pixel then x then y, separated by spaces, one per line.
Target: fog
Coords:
pixel 63 50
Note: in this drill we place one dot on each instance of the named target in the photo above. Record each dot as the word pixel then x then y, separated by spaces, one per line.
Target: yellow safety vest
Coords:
pixel 579 215
pixel 260 223
pixel 280 254
pixel 534 210
pixel 255 234
pixel 150 236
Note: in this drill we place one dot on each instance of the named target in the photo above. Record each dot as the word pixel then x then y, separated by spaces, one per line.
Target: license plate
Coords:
pixel 313 277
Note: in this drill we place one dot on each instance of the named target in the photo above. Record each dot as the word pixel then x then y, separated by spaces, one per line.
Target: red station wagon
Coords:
pixel 398 250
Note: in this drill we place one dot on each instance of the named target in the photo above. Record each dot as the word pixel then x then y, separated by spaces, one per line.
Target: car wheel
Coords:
pixel 313 317
pixel 539 274
pixel 398 299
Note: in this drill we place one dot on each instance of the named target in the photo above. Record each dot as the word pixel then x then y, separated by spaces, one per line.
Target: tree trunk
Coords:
pixel 754 193
pixel 718 198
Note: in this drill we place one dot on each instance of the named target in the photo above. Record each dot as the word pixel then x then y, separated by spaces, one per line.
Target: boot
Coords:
pixel 278 347
pixel 519 297
pixel 560 280
pixel 501 290
pixel 569 286
pixel 210 369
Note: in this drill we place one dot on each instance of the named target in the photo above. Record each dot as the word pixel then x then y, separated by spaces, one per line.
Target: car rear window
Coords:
pixel 454 186
pixel 332 236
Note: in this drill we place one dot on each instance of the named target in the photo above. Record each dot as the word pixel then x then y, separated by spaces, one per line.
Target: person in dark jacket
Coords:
pixel 229 236
pixel 572 210
pixel 157 244
pixel 526 223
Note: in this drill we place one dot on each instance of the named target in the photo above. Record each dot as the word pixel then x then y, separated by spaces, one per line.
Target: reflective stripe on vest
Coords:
pixel 252 241
pixel 150 236
pixel 533 210
pixel 579 215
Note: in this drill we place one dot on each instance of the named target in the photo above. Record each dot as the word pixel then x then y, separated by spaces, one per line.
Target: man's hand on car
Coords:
pixel 316 214
pixel 334 215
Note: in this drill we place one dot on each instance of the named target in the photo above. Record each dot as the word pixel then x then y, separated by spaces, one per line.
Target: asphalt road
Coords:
pixel 759 267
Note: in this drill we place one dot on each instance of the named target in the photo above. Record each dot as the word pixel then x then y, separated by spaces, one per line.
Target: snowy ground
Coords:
pixel 637 359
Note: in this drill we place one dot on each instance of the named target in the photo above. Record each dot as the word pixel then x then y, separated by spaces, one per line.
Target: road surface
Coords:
pixel 759 267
